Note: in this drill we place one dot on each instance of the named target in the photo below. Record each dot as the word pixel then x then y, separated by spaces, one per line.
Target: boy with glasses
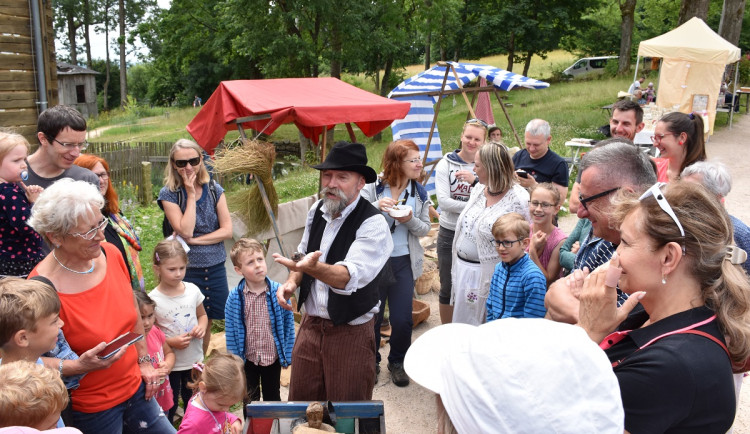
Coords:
pixel 518 286
pixel 61 131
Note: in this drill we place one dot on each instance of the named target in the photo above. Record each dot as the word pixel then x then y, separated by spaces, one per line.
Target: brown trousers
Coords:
pixel 334 363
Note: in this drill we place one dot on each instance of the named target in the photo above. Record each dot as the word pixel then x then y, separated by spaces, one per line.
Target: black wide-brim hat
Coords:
pixel 351 157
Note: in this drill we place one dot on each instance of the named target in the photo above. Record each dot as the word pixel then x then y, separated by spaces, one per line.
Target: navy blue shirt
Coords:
pixel 550 168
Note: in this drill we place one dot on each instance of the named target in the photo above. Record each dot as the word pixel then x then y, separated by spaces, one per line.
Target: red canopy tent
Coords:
pixel 311 103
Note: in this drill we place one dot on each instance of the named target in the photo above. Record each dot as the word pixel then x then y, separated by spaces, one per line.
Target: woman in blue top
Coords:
pixel 202 220
pixel 398 185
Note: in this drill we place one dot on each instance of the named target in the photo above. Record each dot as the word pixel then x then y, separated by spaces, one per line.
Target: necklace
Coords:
pixel 493 193
pixel 218 425
pixel 93 263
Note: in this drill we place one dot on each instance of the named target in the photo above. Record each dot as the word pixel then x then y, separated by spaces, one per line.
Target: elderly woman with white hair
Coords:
pixel 716 178
pixel 97 306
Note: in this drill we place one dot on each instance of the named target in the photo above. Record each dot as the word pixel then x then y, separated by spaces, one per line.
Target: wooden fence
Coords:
pixel 126 163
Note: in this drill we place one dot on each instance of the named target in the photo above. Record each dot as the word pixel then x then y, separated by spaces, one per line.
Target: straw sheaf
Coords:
pixel 255 158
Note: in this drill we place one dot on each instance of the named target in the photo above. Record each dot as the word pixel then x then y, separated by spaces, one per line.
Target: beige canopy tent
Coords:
pixel 694 58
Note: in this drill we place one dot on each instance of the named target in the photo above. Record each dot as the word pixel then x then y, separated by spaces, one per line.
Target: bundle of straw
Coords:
pixel 255 158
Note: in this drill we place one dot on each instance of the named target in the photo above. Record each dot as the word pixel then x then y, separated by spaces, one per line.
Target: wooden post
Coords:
pixel 322 156
pixel 507 116
pixel 145 193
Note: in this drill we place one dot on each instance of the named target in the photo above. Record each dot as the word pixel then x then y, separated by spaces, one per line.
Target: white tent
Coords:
pixel 694 59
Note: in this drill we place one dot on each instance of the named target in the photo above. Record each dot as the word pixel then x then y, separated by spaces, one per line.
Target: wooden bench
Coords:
pixel 351 416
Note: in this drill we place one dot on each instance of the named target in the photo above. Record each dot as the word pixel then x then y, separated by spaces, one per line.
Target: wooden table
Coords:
pixel 739 95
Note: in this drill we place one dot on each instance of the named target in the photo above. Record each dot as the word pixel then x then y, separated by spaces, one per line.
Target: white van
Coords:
pixel 588 65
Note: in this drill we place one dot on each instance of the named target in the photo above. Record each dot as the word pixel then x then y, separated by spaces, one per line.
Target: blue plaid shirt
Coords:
pixel 63 351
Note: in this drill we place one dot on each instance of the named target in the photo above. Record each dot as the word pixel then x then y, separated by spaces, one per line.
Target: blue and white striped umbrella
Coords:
pixel 416 124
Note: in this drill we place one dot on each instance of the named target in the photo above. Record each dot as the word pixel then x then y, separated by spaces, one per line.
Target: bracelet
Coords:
pixel 59 367
pixel 144 359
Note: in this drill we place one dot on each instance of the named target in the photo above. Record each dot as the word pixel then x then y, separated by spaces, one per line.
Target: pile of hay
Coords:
pixel 255 158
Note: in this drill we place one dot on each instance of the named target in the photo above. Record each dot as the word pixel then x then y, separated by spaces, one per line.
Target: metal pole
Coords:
pixel 39 55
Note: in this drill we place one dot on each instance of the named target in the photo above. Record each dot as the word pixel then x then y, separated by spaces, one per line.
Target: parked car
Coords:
pixel 588 65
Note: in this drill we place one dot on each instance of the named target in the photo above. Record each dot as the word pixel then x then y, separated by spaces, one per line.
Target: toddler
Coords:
pixel 218 385
pixel 162 356
pixel 22 247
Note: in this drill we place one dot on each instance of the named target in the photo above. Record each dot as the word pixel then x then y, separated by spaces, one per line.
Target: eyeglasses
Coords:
pixel 413 161
pixel 82 146
pixel 89 235
pixel 657 138
pixel 475 121
pixel 102 175
pixel 544 205
pixel 182 163
pixel 507 244
pixel 585 200
pixel 655 191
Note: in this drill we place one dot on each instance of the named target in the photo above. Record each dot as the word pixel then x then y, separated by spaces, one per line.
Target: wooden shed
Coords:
pixel 77 88
pixel 28 75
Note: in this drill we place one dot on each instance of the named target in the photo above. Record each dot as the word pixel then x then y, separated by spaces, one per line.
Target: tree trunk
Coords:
pixel 72 27
pixel 123 62
pixel 731 20
pixel 428 38
pixel 105 92
pixel 527 63
pixel 627 13
pixel 336 52
pixel 86 23
pixel 511 51
pixel 693 8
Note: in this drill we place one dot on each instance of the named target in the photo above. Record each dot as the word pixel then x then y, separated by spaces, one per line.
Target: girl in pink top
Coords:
pixel 546 238
pixel 219 386
pixel 162 356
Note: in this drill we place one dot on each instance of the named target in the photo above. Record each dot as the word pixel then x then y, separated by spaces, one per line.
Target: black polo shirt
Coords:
pixel 679 384
pixel 550 168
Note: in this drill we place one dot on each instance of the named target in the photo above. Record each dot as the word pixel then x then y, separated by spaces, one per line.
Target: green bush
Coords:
pixel 744 77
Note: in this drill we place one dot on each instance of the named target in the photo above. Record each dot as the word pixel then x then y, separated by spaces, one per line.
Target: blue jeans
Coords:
pixel 135 415
pixel 399 297
pixel 445 262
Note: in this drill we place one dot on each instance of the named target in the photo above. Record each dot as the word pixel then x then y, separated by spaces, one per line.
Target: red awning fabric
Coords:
pixel 311 103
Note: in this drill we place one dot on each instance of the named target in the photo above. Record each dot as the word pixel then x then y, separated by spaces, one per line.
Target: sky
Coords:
pixel 98 45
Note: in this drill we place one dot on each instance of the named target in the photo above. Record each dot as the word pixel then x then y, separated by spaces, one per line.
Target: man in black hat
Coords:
pixel 345 246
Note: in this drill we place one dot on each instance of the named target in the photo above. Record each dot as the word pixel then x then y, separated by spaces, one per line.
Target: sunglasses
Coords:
pixel 655 191
pixel 475 121
pixel 182 163
pixel 585 200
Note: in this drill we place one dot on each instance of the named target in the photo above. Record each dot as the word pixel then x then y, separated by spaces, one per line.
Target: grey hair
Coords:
pixel 61 206
pixel 538 127
pixel 621 164
pixel 715 176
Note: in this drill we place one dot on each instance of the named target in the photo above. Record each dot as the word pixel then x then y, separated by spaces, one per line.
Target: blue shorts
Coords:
pixel 212 281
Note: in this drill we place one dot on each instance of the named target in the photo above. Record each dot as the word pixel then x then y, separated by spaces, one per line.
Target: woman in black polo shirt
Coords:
pixel 674 354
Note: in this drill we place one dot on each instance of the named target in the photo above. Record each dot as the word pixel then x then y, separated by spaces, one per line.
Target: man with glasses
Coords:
pixel 61 131
pixel 604 170
pixel 537 162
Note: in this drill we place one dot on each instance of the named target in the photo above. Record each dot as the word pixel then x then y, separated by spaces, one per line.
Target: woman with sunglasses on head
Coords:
pixel 197 211
pixel 97 305
pixel 119 232
pixel 454 180
pixel 474 253
pixel 674 357
pixel 680 141
pixel 405 205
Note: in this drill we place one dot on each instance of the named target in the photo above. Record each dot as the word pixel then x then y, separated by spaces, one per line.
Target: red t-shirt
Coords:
pixel 98 314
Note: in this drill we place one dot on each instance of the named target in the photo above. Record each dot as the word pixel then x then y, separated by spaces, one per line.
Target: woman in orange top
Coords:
pixel 97 305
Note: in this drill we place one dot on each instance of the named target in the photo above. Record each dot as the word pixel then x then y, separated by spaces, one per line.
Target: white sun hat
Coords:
pixel 518 376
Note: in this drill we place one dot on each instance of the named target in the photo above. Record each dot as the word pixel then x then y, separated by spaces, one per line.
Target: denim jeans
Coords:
pixel 135 415
pixel 445 263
